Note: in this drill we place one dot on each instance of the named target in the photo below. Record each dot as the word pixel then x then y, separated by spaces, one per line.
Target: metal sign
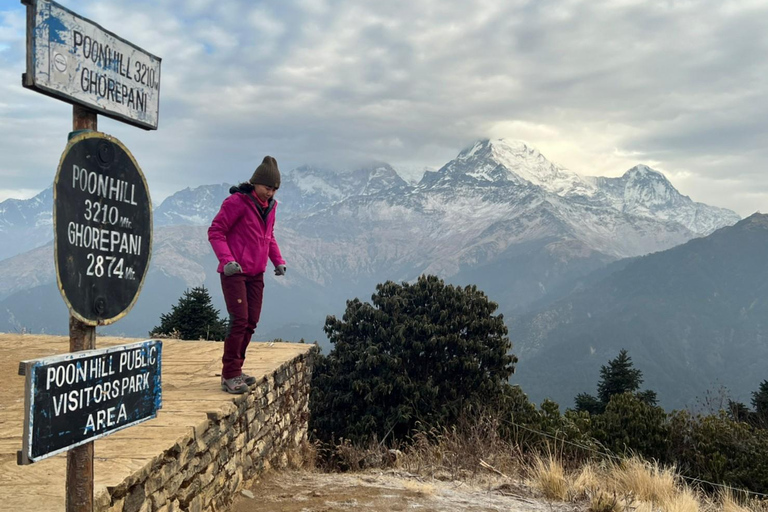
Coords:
pixel 76 60
pixel 102 220
pixel 77 397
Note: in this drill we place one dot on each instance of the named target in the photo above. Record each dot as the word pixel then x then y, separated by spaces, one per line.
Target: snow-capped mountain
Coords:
pixel 26 223
pixel 499 215
pixel 308 188
pixel 304 189
pixel 643 192
pixel 194 207
pixel 515 161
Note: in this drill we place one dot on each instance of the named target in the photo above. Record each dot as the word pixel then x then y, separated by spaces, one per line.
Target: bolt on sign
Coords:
pixel 74 398
pixel 102 219
pixel 76 60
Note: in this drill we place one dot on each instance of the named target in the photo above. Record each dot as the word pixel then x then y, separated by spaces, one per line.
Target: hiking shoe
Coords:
pixel 248 379
pixel 235 385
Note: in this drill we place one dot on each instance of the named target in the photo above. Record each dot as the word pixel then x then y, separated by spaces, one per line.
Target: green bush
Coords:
pixel 421 354
pixel 717 449
pixel 630 425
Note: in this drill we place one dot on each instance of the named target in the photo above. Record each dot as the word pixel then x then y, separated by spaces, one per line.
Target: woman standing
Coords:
pixel 242 237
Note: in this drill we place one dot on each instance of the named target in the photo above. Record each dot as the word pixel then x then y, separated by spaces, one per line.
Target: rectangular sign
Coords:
pixel 76 60
pixel 74 398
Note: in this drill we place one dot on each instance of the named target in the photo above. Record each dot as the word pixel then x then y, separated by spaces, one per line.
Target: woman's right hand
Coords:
pixel 232 268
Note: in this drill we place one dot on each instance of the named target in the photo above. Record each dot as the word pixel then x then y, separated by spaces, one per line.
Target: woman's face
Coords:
pixel 264 192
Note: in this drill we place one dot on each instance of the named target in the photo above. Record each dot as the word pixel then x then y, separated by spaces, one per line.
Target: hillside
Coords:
pixel 693 318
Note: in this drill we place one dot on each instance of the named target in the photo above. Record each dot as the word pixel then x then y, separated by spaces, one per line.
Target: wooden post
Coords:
pixel 81 337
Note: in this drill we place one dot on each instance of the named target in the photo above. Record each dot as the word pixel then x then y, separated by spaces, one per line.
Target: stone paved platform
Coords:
pixel 190 391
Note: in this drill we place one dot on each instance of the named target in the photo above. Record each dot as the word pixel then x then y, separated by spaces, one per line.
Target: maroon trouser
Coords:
pixel 243 295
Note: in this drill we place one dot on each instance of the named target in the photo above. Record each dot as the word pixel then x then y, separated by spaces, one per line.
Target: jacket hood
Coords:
pixel 244 187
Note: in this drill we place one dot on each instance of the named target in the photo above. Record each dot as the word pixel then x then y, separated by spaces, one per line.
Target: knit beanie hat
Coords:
pixel 267 173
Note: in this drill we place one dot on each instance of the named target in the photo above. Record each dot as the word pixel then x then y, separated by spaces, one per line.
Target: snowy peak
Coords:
pixel 502 160
pixel 26 223
pixel 645 187
pixel 641 189
pixel 336 185
pixel 376 178
pixel 191 206
pixel 32 212
pixel 314 182
pixel 645 192
pixel 308 188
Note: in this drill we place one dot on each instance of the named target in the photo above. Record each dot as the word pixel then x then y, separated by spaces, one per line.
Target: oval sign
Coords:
pixel 102 221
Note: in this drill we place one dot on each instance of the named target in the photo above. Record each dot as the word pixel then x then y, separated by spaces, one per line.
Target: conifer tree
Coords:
pixel 760 402
pixel 589 403
pixel 421 354
pixel 194 318
pixel 618 377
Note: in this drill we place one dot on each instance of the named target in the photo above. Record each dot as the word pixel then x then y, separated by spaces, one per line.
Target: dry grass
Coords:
pixel 466 451
pixel 645 481
pixel 586 482
pixel 604 502
pixel 547 474
pixel 632 484
pixel 731 502
pixel 475 453
pixel 686 500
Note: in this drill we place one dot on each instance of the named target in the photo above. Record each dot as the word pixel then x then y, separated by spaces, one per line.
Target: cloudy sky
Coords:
pixel 596 86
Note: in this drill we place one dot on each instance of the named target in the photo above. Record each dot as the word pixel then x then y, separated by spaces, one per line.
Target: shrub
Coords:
pixel 717 449
pixel 193 318
pixel 630 425
pixel 421 354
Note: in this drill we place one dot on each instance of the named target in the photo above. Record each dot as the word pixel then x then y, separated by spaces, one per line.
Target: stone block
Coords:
pixel 239 442
pixel 158 479
pixel 187 494
pixel 135 499
pixel 187 454
pixel 173 484
pixel 159 499
pixel 196 505
pixel 228 409
pixel 117 506
pixel 207 477
pixel 231 466
pixel 102 500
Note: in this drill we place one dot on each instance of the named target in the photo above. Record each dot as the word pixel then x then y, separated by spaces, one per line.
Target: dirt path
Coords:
pixel 378 491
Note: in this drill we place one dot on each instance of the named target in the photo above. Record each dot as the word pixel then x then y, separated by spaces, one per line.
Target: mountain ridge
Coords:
pixel 684 314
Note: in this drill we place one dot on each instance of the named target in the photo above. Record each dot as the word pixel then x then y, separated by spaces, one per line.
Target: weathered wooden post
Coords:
pixel 79 493
pixel 103 242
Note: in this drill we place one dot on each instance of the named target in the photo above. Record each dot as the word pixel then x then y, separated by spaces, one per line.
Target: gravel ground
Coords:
pixel 385 491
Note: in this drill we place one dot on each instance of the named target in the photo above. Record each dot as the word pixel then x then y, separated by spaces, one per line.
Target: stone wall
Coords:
pixel 205 469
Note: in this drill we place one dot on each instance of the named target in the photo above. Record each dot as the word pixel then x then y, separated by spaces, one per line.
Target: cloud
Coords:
pixel 598 86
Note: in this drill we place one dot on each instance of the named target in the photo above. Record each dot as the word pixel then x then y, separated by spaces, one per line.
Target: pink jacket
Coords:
pixel 238 233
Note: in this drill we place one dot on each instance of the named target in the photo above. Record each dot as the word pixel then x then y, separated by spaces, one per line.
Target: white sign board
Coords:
pixel 76 60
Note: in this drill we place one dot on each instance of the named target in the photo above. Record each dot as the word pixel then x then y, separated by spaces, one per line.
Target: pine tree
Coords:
pixel 760 403
pixel 421 354
pixel 194 318
pixel 618 377
pixel 589 403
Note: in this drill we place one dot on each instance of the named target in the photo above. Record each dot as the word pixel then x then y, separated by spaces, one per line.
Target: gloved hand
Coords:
pixel 280 270
pixel 232 268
